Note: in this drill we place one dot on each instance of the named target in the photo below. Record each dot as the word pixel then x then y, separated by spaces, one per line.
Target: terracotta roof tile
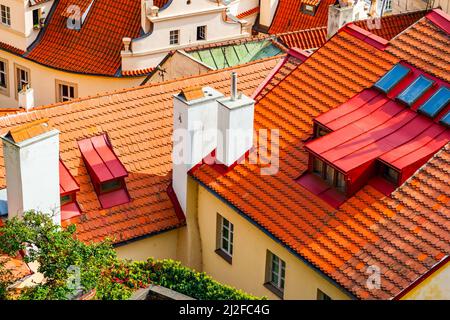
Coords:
pixel 403 235
pixel 425 46
pixel 389 27
pixel 304 39
pixel 139 125
pixel 248 13
pixel 288 16
pixel 95 49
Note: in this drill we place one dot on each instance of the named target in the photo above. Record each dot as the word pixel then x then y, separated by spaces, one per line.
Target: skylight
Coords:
pixel 446 120
pixel 392 78
pixel 415 90
pixel 436 103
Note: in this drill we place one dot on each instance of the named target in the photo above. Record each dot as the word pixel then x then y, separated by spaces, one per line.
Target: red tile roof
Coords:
pixel 288 17
pixel 139 125
pixel 304 39
pixel 403 235
pixel 248 13
pixel 95 49
pixel 390 26
pixel 9 48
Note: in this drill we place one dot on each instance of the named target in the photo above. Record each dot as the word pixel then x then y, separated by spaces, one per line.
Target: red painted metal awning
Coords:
pixel 101 159
pixel 67 183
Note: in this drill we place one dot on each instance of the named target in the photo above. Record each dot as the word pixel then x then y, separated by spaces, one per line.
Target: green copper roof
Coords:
pixel 232 55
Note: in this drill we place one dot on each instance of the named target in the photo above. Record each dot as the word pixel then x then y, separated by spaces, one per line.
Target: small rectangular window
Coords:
pixel 322 296
pixel 329 175
pixel 175 37
pixel 340 181
pixel 275 274
pixel 320 131
pixel 22 78
pixel 66 91
pixel 388 6
pixel 5 15
pixel 390 174
pixel 201 33
pixel 36 18
pixel 415 90
pixel 392 78
pixel 3 76
pixel 67 199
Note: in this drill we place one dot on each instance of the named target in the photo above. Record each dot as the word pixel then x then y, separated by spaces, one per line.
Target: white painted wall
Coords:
pixel 149 50
pixel 339 16
pixel 32 175
pixel 43 81
pixel 21 33
pixel 235 128
pixel 194 137
pixel 267 12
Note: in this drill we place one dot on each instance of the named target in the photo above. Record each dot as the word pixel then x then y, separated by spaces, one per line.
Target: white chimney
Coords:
pixel 26 98
pixel 235 125
pixel 267 12
pixel 195 134
pixel 345 12
pixel 31 155
pixel 146 5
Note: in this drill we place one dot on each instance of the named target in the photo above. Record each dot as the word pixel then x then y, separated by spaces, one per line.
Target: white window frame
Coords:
pixel 5 89
pixel 19 82
pixel 280 274
pixel 174 37
pixel 388 5
pixel 5 15
pixel 60 97
pixel 226 225
pixel 202 31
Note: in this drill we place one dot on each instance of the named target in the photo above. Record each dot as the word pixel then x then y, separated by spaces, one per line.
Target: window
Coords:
pixel 201 33
pixel 4 77
pixel 390 174
pixel 174 37
pixel 329 174
pixel 36 18
pixel 65 91
pixel 275 274
pixel 392 78
pixel 110 186
pixel 388 5
pixel 67 199
pixel 436 103
pixel 415 90
pixel 5 15
pixel 322 296
pixel 225 238
pixel 22 77
pixel 320 131
pixel 308 9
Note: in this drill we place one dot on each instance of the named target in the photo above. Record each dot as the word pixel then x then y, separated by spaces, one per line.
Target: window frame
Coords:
pixel 18 68
pixel 322 296
pixel 384 169
pixel 174 35
pixel 59 87
pixel 336 175
pixel 277 287
pixel 5 15
pixel 202 33
pixel 225 253
pixel 388 6
pixel 5 90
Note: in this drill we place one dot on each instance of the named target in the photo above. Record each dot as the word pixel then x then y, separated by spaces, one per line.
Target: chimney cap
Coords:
pixel 29 130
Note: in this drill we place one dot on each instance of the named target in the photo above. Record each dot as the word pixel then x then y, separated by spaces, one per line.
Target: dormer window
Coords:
pixel 320 131
pixel 309 7
pixel 68 188
pixel 106 171
pixel 390 174
pixel 327 173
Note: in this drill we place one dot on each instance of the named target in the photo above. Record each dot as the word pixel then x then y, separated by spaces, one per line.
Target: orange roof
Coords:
pixel 248 13
pixel 304 39
pixel 139 125
pixel 95 49
pixel 289 17
pixel 29 130
pixel 404 235
pixel 390 26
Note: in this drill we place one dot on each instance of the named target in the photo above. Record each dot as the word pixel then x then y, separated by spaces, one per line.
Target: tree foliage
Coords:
pixel 71 267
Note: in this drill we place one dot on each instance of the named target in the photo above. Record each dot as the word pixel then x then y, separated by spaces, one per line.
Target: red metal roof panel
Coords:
pixel 67 183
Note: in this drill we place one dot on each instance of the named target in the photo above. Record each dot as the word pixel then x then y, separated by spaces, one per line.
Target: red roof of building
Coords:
pixel 304 39
pixel 390 26
pixel 95 49
pixel 138 123
pixel 289 17
pixel 403 234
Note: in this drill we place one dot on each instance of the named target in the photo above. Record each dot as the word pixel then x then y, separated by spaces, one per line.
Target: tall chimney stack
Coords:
pixel 31 155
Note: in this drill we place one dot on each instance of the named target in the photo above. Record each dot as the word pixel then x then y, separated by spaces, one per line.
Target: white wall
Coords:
pixel 268 9
pixel 149 50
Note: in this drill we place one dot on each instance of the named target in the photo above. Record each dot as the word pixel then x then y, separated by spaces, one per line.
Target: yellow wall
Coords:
pixel 160 246
pixel 44 85
pixel 247 271
pixel 435 287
